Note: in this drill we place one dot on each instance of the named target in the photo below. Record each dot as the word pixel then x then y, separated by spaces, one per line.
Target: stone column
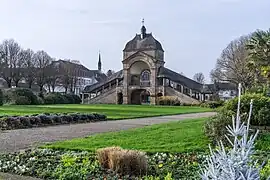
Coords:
pixel 110 85
pixel 153 81
pixel 190 92
pixel 125 85
pixel 182 89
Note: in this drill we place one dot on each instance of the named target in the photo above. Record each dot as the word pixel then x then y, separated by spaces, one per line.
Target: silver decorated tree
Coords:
pixel 236 162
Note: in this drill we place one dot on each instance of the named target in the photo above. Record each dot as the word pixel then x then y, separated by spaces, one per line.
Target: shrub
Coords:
pixel 216 126
pixel 20 96
pixel 1 98
pixel 72 98
pixel 27 93
pixel 22 100
pixel 126 162
pixel 260 102
pixel 168 101
pixel 237 162
pixel 46 119
pixel 58 98
pixel 55 98
pixel 213 104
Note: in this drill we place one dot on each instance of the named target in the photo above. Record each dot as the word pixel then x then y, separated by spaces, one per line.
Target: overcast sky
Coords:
pixel 192 32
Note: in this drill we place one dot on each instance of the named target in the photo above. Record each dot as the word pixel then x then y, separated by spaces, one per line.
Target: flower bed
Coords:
pixel 39 120
pixel 53 164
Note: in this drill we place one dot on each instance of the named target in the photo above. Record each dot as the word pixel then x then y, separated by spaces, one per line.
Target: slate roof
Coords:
pixel 147 43
pixel 117 75
pixel 99 76
pixel 176 77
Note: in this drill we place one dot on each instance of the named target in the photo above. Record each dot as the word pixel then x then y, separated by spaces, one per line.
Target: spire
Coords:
pixel 143 30
pixel 99 61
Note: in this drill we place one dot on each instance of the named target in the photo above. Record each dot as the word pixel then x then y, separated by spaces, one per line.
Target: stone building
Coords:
pixel 144 78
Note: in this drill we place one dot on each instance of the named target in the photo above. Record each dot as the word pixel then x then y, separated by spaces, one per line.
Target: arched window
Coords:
pixel 145 78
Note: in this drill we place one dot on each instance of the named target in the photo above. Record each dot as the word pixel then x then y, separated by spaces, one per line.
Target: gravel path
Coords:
pixel 15 140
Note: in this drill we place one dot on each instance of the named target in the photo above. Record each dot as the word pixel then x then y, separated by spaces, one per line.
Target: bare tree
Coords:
pixel 232 66
pixel 199 77
pixel 30 67
pixel 53 75
pixel 43 61
pixel 10 62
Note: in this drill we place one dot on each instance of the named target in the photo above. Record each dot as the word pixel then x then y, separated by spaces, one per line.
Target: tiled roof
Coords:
pixel 117 75
pixel 147 43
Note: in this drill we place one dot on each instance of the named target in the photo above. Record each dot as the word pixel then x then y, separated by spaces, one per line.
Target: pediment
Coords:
pixel 139 54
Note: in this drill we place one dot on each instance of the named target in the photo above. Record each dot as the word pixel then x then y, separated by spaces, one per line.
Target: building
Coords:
pixel 144 78
pixel 73 77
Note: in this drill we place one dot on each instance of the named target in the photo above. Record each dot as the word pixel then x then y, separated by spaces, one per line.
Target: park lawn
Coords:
pixel 182 136
pixel 112 111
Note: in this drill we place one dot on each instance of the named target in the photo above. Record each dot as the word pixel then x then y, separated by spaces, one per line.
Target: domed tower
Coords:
pixel 144 42
pixel 142 58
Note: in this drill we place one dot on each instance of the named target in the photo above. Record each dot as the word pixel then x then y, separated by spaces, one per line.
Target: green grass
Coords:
pixel 179 136
pixel 112 111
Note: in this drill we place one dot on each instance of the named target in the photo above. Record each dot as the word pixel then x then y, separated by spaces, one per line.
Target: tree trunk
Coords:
pixel 16 83
pixel 29 84
pixel 40 88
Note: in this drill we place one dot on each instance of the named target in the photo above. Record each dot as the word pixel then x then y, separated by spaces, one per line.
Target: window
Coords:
pixel 145 78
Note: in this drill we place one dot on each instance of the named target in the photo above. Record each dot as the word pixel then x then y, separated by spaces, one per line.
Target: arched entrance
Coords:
pixel 140 96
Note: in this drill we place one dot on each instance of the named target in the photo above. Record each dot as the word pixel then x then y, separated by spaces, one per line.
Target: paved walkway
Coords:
pixel 15 140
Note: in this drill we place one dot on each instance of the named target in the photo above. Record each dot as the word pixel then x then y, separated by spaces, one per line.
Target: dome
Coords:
pixel 144 41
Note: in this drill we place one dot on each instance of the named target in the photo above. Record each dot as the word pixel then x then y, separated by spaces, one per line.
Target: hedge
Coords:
pixel 38 120
pixel 58 98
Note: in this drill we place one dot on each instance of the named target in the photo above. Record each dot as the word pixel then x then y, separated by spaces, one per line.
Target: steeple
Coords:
pixel 143 30
pixel 99 61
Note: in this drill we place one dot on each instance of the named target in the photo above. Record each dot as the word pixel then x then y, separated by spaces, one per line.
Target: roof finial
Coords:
pixel 143 30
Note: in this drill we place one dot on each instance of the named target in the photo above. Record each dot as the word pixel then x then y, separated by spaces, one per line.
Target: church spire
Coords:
pixel 99 61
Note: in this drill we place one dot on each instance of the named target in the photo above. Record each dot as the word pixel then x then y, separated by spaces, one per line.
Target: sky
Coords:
pixel 192 32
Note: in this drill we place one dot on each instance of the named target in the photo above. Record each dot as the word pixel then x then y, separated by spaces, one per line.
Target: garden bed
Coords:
pixel 53 164
pixel 40 120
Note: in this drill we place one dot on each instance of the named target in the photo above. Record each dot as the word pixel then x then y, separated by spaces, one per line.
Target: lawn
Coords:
pixel 179 136
pixel 112 111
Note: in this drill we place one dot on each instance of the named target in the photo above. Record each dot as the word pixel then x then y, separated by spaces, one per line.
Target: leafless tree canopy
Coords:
pixel 232 65
pixel 199 77
pixel 11 63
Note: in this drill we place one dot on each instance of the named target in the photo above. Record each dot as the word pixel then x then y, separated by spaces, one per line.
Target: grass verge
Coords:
pixel 112 111
pixel 179 136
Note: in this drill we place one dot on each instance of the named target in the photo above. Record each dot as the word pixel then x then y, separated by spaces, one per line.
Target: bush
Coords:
pixel 216 126
pixel 27 93
pixel 1 98
pixel 168 101
pixel 8 122
pixel 212 104
pixel 261 105
pixel 22 100
pixel 58 98
pixel 20 96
